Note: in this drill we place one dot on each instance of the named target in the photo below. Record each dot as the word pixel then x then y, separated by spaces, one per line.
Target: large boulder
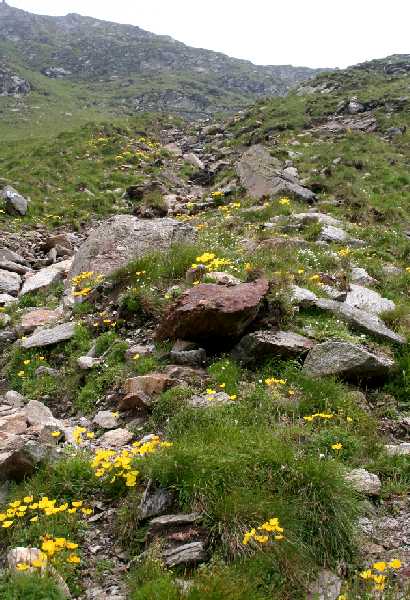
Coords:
pixel 15 203
pixel 262 175
pixel 360 319
pixel 347 360
pixel 209 312
pixel 123 238
pixel 265 344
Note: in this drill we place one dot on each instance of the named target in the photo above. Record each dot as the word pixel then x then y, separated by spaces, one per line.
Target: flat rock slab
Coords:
pixel 364 482
pixel 264 344
pixel 7 300
pixel 360 319
pixel 262 175
pixel 45 277
pixel 337 235
pixel 48 337
pixel 398 449
pixel 188 554
pixel 9 282
pixel 368 300
pixel 124 238
pixel 38 318
pixel 155 502
pixel 347 360
pixel 302 296
pixel 361 277
pixel 307 218
pixel 209 311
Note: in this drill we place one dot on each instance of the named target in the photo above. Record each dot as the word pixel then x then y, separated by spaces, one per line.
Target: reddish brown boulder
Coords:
pixel 37 318
pixel 209 311
pixel 139 390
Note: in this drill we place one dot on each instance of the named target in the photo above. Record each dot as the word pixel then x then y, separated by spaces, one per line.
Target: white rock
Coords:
pixel 88 362
pixel 302 296
pixel 368 300
pixel 362 277
pixel 398 449
pixel 105 419
pixel 46 277
pixel 116 438
pixel 38 413
pixel 365 482
pixel 9 282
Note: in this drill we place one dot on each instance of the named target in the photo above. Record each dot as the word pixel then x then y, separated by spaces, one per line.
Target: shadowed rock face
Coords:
pixel 123 238
pixel 210 312
pixel 264 344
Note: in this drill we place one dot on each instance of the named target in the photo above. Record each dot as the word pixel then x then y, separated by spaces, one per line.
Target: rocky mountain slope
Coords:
pixel 127 69
pixel 204 348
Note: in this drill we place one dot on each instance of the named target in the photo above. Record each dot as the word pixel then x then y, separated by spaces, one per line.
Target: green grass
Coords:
pixel 29 587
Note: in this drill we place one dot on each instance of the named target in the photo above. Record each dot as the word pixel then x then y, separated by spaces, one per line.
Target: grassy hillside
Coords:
pixel 267 470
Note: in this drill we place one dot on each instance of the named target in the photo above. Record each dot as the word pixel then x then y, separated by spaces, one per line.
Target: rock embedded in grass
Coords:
pixel 50 336
pixel 16 204
pixel 364 482
pixel 210 312
pixel 270 344
pixel 347 360
pixel 9 282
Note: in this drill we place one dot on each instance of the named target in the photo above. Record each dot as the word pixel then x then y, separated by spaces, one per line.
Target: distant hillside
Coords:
pixel 75 64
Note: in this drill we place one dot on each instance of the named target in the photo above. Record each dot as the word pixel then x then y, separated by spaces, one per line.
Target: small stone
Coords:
pixel 187 554
pixel 222 278
pixel 364 482
pixel 15 399
pixel 88 362
pixel 105 419
pixel 9 282
pixel 16 204
pixel 139 390
pixel 155 502
pixel 116 438
pixel 207 400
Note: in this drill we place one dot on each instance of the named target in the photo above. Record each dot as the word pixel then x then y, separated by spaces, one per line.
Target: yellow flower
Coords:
pixel 26 362
pixel 7 524
pixel 380 566
pixel 135 357
pixel 222 385
pixel 56 434
pixel 367 574
pixel 337 446
pixel 37 563
pixel 28 499
pixel 380 579
pixel 284 201
pixel 233 397
pixel 211 392
pixel 71 545
pixel 261 538
pixel 74 559
pixel 34 519
pixel 77 503
pixel 395 563
pixel 90 435
pixel 87 511
pixel 22 566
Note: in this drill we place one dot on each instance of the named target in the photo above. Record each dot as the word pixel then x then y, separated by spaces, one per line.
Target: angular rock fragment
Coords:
pixel 346 360
pixel 360 319
pixel 9 282
pixel 38 318
pixel 265 344
pixel 364 482
pixel 47 337
pixel 368 300
pixel 16 204
pixel 210 312
pixel 116 438
pixel 45 277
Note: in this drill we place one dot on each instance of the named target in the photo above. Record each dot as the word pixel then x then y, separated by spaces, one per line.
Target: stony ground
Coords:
pixel 205 394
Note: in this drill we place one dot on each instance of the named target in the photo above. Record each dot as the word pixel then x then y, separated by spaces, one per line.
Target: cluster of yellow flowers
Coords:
pixel 111 465
pixel 325 416
pixel 29 363
pixel 212 393
pixel 84 283
pixel 271 526
pixel 211 261
pixel 104 321
pixel 344 252
pixel 80 434
pixel 50 548
pixel 380 567
pixel 26 510
pixel 218 194
pixel 270 381
pixel 284 201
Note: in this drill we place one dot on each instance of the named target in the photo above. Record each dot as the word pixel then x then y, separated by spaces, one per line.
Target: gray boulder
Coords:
pixel 264 344
pixel 47 337
pixel 9 282
pixel 364 482
pixel 337 235
pixel 15 203
pixel 347 360
pixel 123 238
pixel 262 175
pixel 361 277
pixel 360 319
